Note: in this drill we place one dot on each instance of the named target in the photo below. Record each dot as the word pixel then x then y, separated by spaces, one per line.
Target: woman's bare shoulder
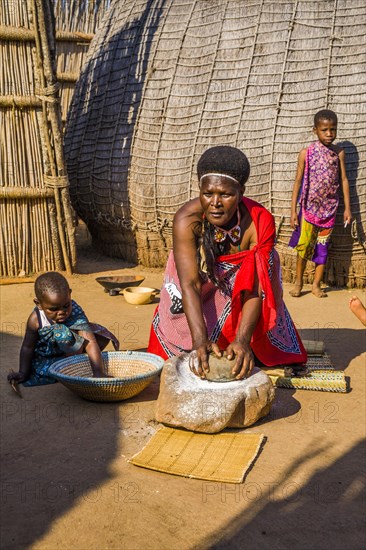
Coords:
pixel 189 213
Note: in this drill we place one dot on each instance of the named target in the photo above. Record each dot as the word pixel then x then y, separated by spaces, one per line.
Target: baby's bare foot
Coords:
pixel 358 309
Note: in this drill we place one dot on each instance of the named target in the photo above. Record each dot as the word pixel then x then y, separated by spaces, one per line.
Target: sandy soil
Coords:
pixel 66 482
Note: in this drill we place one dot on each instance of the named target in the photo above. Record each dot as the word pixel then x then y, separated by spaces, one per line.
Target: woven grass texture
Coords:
pixel 321 376
pixel 132 372
pixel 224 457
pixel 314 347
pixel 164 81
pixel 76 22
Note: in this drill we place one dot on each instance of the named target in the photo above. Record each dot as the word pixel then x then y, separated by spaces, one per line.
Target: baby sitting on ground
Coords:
pixel 57 328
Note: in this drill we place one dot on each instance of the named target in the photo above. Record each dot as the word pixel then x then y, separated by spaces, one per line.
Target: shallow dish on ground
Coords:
pixel 132 371
pixel 114 284
pixel 138 296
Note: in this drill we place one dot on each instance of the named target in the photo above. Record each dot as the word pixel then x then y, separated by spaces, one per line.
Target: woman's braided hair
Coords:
pixel 228 161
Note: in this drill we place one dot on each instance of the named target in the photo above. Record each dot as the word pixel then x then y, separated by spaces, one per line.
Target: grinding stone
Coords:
pixel 220 369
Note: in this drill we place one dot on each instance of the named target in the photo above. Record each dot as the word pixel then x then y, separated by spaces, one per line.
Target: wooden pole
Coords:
pixel 27 193
pixel 18 34
pixel 50 106
pixel 57 231
pixel 46 28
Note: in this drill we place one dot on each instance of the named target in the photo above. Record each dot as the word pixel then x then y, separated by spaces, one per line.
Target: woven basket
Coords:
pixel 133 372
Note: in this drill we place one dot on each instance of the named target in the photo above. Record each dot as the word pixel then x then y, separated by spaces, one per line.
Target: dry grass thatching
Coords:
pixel 165 80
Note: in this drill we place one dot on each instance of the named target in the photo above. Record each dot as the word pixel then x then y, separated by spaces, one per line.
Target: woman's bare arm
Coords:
pixel 186 227
pixel 240 347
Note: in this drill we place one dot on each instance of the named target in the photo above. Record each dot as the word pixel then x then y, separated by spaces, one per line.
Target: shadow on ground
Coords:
pixel 56 450
pixel 339 342
pixel 330 506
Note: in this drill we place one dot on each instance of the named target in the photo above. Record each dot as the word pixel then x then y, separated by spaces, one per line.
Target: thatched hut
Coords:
pixel 163 81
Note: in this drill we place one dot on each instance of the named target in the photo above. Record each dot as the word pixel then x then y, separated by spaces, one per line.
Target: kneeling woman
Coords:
pixel 222 286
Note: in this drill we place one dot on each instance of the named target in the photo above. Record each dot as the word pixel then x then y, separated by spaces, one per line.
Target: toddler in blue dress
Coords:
pixel 57 328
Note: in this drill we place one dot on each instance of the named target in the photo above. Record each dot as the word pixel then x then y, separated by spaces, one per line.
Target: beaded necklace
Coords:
pixel 234 234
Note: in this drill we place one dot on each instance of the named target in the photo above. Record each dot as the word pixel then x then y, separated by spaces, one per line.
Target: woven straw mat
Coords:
pixel 321 376
pixel 224 457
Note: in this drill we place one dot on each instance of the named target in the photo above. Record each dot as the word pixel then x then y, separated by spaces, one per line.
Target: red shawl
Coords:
pixel 275 339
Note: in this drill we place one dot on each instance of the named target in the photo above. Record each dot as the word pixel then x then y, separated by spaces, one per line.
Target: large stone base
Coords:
pixel 199 405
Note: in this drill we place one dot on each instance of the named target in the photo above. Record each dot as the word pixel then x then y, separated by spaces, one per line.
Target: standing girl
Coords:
pixel 321 171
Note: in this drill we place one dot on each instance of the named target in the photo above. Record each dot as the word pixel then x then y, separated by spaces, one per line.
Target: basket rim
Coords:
pixel 54 369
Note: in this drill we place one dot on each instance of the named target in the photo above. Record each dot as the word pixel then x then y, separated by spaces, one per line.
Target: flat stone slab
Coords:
pixel 187 401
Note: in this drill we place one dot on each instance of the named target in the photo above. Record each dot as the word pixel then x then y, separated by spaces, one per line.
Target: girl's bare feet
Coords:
pixel 318 292
pixel 296 291
pixel 358 309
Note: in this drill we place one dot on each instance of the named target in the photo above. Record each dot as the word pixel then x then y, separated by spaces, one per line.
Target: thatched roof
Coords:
pixel 164 80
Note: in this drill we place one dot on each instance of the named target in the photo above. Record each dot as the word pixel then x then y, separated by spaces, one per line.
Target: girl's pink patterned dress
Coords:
pixel 320 187
pixel 319 199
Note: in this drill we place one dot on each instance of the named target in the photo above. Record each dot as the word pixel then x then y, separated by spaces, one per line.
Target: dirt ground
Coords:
pixel 66 482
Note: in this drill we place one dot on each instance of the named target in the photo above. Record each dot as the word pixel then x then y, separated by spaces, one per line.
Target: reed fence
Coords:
pixel 42 47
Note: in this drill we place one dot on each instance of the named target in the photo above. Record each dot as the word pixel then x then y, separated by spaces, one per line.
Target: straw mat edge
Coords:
pixel 223 457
